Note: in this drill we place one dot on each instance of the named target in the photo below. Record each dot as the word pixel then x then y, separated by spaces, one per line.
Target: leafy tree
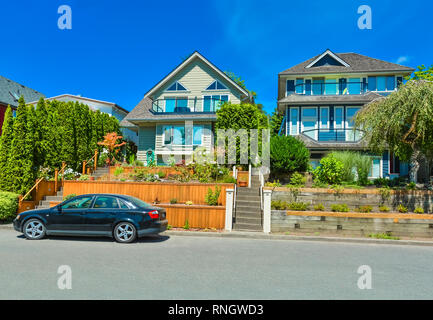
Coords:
pixel 402 123
pixel 5 151
pixel 331 170
pixel 242 116
pixel 110 142
pixel 422 73
pixel 21 160
pixel 275 121
pixel 288 155
pixel 241 83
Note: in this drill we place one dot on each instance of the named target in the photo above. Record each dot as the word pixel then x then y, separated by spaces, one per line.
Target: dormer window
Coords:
pixel 216 85
pixel 176 87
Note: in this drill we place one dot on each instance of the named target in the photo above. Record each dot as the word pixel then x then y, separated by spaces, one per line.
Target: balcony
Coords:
pixel 344 135
pixel 180 105
pixel 330 88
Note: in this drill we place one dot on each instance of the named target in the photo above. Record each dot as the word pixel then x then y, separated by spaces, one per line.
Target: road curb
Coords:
pixel 263 236
pixel 8 226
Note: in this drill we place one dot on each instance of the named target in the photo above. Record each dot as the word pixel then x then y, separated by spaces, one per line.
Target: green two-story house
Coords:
pixel 178 114
pixel 320 96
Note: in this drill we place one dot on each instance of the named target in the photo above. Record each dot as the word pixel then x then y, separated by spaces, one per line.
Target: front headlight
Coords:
pixel 18 217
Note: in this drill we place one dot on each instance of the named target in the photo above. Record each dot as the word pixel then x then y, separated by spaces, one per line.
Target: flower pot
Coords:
pixel 92 178
pixel 242 183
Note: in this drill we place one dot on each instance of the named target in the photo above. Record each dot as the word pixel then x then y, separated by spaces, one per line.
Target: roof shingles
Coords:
pixel 10 92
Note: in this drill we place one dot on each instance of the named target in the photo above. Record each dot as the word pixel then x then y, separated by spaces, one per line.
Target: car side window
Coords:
pixel 79 203
pixel 123 205
pixel 106 203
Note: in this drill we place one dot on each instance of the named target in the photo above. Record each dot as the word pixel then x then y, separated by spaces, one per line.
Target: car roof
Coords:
pixel 104 194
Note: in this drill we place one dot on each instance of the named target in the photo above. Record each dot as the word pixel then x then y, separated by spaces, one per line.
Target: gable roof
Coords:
pixel 194 55
pixel 11 91
pixel 351 63
pixel 84 99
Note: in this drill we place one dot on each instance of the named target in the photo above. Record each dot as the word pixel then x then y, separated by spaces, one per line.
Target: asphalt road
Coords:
pixel 178 267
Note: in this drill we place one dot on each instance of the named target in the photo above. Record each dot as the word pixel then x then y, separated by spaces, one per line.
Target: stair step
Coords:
pixel 54 198
pixel 247 227
pixel 249 220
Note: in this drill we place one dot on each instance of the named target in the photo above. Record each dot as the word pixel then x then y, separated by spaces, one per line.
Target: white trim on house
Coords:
pixel 333 55
pixel 185 63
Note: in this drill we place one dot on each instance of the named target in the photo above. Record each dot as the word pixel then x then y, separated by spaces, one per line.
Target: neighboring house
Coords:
pixel 10 92
pixel 106 107
pixel 178 114
pixel 319 98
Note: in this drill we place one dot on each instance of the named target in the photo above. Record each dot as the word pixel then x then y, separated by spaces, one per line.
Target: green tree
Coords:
pixel 288 155
pixel 402 123
pixel 241 83
pixel 242 116
pixel 275 121
pixel 5 151
pixel 21 159
pixel 422 73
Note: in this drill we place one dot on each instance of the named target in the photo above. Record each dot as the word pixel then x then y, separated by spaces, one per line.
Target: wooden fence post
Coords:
pixel 56 178
pixel 84 167
pixel 96 159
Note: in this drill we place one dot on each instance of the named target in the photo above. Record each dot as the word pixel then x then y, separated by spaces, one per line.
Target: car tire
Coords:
pixel 125 232
pixel 34 229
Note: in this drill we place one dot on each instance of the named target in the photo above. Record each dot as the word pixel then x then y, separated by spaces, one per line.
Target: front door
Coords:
pixel 71 215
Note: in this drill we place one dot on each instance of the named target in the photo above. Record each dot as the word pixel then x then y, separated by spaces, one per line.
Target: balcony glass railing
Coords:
pixel 188 105
pixel 330 88
pixel 335 135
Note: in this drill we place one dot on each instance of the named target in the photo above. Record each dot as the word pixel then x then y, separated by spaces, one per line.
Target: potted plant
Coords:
pixel 242 182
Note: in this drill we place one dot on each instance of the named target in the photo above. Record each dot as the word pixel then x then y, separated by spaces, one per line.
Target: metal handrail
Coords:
pixel 191 107
pixel 341 87
pixel 336 131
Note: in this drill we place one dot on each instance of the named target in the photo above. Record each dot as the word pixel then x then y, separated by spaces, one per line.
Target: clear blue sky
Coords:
pixel 117 50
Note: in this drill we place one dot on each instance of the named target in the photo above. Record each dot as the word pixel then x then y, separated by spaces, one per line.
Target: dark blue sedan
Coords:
pixel 111 215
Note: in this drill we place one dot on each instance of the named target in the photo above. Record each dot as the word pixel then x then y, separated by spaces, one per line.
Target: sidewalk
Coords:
pixel 263 236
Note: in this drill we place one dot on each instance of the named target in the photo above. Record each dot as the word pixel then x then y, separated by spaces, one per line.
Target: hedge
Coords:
pixel 8 205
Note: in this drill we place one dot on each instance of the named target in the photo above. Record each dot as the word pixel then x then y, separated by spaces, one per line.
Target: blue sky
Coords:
pixel 117 50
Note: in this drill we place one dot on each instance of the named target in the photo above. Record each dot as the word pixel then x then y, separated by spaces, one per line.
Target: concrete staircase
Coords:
pixel 248 212
pixel 100 171
pixel 45 203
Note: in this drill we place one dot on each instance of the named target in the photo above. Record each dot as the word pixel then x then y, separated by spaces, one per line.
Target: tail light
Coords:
pixel 154 214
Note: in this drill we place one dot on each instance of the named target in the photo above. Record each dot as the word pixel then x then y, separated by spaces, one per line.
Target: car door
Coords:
pixel 70 216
pixel 100 218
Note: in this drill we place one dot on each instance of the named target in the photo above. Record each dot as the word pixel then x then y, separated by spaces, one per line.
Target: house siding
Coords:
pixel 146 137
pixel 196 77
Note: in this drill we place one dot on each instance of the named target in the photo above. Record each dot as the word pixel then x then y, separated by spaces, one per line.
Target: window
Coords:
pixel 308 87
pixel 174 135
pixel 212 103
pixel 399 81
pixel 324 117
pixel 290 86
pixel 331 86
pixel 354 86
pixel 216 85
pixel 176 87
pixel 197 134
pixel 299 86
pixel 390 83
pixel 318 87
pixel 176 104
pixel 309 121
pixel 106 203
pixel 381 83
pixel 294 121
pixel 372 84
pixel 80 203
pixel 338 117
pixel 342 86
pixel 123 205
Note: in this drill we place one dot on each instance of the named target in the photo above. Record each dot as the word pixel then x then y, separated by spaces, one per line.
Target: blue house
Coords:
pixel 319 98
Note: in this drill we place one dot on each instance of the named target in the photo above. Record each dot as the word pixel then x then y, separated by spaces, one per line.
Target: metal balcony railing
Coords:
pixel 187 105
pixel 334 135
pixel 330 88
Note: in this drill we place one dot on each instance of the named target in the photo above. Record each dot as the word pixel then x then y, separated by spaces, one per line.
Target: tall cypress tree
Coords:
pixel 5 151
pixel 43 145
pixel 21 159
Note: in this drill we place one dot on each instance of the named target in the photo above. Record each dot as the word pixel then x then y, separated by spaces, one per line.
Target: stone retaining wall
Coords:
pixel 282 222
pixel 356 198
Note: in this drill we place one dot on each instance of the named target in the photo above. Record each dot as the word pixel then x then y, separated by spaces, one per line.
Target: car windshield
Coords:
pixel 138 202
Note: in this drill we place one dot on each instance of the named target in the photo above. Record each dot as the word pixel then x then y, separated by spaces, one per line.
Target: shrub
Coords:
pixel 401 208
pixel 365 209
pixel 84 177
pixel 186 226
pixel 381 182
pixel 318 184
pixel 411 186
pixel 298 206
pixel 354 163
pixel 229 179
pixel 319 207
pixel 383 209
pixel 278 205
pixel 383 236
pixel 189 203
pixel 8 205
pixel 161 174
pixel 340 208
pixel 298 179
pixel 385 193
pixel 288 155
pixel 275 183
pixel 212 196
pixel 173 201
pixel 418 210
pixel 329 171
pixel 69 196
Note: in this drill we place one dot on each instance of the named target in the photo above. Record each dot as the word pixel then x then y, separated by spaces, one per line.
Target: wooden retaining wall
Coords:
pixel 150 191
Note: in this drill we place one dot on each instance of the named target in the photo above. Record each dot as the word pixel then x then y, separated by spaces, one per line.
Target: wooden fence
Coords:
pixel 161 192
pixel 44 188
